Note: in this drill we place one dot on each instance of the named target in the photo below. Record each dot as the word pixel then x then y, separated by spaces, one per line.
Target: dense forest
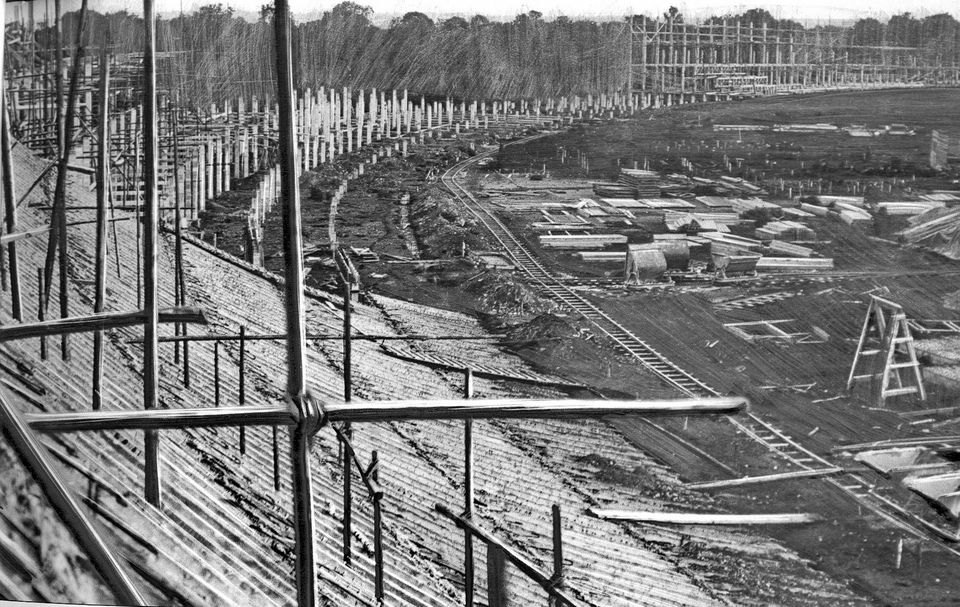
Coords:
pixel 213 54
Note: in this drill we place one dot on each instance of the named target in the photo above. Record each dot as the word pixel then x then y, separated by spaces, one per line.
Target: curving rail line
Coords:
pixel 776 441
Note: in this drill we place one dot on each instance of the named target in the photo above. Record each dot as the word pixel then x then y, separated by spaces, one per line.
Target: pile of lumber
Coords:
pixel 580 241
pixel 744 205
pixel 715 202
pixel 614 190
pixel 794 263
pixel 786 230
pixel 646 183
pixel 714 222
pixel 938 229
pixel 665 203
pixel 729 244
pixel 789 250
pixel 735 264
pixel 909 207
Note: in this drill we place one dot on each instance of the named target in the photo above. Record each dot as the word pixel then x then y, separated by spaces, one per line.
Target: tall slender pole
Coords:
pixel 347 396
pixel 377 531
pixel 150 229
pixel 557 552
pixel 179 289
pixel 296 320
pixel 41 303
pixel 103 181
pixel 243 385
pixel 10 212
pixel 468 583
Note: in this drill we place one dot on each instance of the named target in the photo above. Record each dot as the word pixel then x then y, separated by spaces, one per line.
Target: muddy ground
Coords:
pixel 421 248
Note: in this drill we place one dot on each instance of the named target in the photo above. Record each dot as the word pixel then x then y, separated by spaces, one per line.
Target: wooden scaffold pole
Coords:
pixel 103 183
pixel 151 444
pixel 306 573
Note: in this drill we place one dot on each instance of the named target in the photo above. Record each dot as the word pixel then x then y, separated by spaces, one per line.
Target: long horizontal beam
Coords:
pixel 35 459
pixel 378 411
pixel 98 322
pixel 160 419
pixel 521 562
pixel 319 337
pixel 14 237
pixel 696 518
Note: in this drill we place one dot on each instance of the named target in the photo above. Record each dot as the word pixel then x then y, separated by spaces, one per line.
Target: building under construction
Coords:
pixel 213 390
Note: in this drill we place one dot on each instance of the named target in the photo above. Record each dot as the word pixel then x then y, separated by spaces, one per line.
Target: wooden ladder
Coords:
pixel 886 324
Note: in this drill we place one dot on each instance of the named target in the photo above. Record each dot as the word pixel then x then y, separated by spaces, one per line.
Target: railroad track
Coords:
pixel 775 440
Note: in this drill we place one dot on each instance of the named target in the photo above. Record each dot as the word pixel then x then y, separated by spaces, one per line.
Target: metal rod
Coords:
pixel 103 180
pixel 526 409
pixel 34 457
pixel 468 566
pixel 97 322
pixel 296 319
pixel 151 445
pixel 160 419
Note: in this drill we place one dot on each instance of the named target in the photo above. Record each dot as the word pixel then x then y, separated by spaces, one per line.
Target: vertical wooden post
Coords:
pixel 496 576
pixel 179 287
pixel 468 572
pixel 347 396
pixel 41 302
pixel 296 319
pixel 557 553
pixel 151 225
pixel 243 385
pixel 10 212
pixel 103 182
pixel 216 373
pixel 377 531
pixel 58 233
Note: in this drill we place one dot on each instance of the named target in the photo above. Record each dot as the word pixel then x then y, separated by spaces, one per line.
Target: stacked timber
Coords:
pixel 675 252
pixel 614 190
pixel 580 241
pixel 713 222
pixel 745 205
pixel 733 265
pixel 789 250
pixel 646 183
pixel 938 230
pixel 716 203
pixel 909 208
pixel 826 201
pixel 729 244
pixel 794 263
pixel 786 230
pixel 644 264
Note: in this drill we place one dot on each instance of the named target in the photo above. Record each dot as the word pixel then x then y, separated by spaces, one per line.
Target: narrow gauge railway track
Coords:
pixel 776 441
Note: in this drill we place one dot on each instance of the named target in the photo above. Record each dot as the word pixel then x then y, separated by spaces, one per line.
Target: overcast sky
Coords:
pixel 820 10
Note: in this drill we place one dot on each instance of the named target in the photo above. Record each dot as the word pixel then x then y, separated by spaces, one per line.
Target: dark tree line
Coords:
pixel 212 54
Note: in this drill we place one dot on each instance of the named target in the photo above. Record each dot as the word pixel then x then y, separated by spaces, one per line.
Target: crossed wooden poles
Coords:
pixel 302 414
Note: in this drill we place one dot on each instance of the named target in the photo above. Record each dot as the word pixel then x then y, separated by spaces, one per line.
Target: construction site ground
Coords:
pixel 798 387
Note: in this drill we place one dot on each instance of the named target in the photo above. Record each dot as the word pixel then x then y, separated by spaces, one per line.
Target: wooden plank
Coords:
pixel 769 478
pixel 692 518
pixel 98 322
